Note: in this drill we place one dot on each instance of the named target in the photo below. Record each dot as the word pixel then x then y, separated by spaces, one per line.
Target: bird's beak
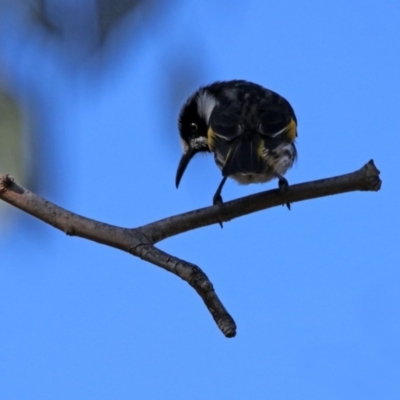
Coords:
pixel 186 157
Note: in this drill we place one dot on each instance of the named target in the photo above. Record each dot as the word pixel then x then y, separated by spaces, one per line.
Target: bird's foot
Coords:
pixel 217 201
pixel 283 185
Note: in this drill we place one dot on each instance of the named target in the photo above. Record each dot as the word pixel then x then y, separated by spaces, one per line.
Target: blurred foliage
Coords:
pixel 101 17
pixel 49 47
pixel 12 158
pixel 111 12
pixel 11 130
pixel 39 15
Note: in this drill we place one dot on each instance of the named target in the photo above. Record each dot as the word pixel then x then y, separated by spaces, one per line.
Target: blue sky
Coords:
pixel 315 292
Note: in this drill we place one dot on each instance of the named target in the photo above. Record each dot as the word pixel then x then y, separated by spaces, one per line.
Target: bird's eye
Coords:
pixel 193 127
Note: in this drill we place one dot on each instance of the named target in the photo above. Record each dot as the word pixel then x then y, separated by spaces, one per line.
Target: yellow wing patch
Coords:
pixel 260 148
pixel 210 138
pixel 291 131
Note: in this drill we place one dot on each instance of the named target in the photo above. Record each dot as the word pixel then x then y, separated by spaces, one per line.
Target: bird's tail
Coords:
pixel 244 156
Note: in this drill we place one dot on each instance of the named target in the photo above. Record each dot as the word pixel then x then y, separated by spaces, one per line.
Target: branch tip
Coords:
pixel 5 182
pixel 227 327
pixel 372 176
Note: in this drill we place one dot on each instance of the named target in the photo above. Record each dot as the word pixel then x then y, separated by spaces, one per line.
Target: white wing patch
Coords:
pixel 206 103
pixel 279 132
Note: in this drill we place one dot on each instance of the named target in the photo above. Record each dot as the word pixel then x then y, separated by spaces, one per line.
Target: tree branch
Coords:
pixel 140 241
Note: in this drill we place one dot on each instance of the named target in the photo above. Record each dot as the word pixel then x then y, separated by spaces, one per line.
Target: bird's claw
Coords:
pixel 283 185
pixel 217 200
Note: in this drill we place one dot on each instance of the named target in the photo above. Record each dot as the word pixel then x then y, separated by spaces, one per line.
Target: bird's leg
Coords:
pixel 283 185
pixel 217 199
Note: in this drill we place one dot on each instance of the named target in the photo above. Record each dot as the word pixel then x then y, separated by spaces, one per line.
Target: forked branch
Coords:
pixel 140 241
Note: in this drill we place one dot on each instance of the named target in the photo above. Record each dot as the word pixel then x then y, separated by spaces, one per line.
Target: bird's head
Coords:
pixel 193 127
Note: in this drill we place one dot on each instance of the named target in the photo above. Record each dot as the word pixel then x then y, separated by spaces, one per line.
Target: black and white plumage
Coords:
pixel 249 129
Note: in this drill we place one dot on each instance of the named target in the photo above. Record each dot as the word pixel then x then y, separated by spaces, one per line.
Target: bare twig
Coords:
pixel 140 241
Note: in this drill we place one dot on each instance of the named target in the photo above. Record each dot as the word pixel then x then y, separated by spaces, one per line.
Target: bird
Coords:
pixel 249 129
